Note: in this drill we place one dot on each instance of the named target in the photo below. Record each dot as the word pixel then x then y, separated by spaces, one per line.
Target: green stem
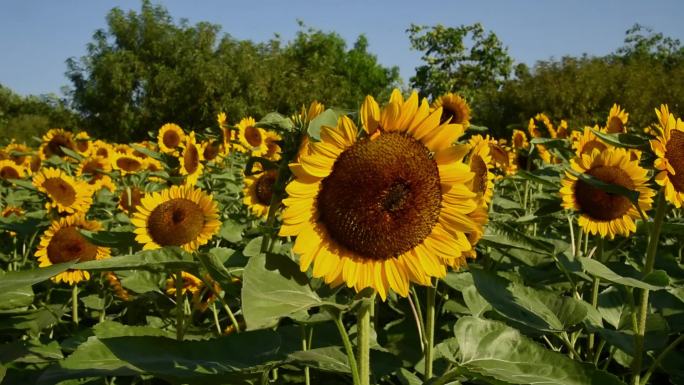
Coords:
pixel 363 335
pixel 216 319
pixel 337 317
pixel 643 305
pixel 660 357
pixel 180 311
pixel 74 304
pixel 594 295
pixel 429 329
pixel 305 347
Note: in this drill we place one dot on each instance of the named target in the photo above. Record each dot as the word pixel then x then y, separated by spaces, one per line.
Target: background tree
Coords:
pixel 145 70
pixel 463 59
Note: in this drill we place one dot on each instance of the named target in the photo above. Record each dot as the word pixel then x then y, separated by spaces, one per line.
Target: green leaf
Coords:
pixel 166 258
pixel 498 352
pixel 276 121
pixel 16 298
pixel 72 154
pixel 16 280
pixel 623 140
pixel 610 188
pixel 331 359
pixel 537 309
pixel 550 142
pixel 175 361
pixel 253 247
pixel 33 320
pixel 30 352
pixel 113 239
pixel 152 154
pixel 273 287
pixel 548 181
pixel 231 231
pixel 140 281
pixel 327 118
pixel 656 280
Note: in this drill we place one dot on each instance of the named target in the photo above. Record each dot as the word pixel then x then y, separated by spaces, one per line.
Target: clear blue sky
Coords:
pixel 36 37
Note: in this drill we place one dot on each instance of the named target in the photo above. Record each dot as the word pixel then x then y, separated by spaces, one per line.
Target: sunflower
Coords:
pixel 170 138
pixel 480 163
pixel 66 194
pixel 519 140
pixel 533 129
pixel 617 120
pixel 669 148
pixel 130 199
pixel 10 170
pixel 211 150
pixel 180 216
pixel 102 149
pixel 83 143
pixel 502 158
pixel 383 210
pixel 191 284
pixel 252 138
pixel 601 212
pixel 455 109
pixel 307 115
pixel 230 136
pixel 588 142
pixel 63 243
pixel 206 295
pixel 272 145
pixel 8 211
pixel 127 163
pixel 116 286
pixel 191 159
pixel 54 140
pixel 19 153
pixel 562 132
pixel 97 167
pixel 541 117
pixel 258 190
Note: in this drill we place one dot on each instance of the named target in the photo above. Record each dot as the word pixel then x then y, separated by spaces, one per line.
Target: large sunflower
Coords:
pixel 83 143
pixel 252 138
pixel 97 167
pixel 272 145
pixel 170 138
pixel 130 199
pixel 480 163
pixel 212 150
pixel 191 159
pixel 669 148
pixel 180 216
pixel 63 243
pixel 617 120
pixel 102 149
pixel 127 163
pixel 66 194
pixel 601 212
pixel 588 142
pixel 258 190
pixel 54 140
pixel 519 140
pixel 19 153
pixel 386 209
pixel 10 170
pixel 455 109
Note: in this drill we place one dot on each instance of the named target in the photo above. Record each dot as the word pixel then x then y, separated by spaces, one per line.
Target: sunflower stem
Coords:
pixel 276 197
pixel 594 294
pixel 643 304
pixel 429 329
pixel 363 335
pixel 660 357
pixel 180 310
pixel 337 317
pixel 216 319
pixel 305 347
pixel 74 304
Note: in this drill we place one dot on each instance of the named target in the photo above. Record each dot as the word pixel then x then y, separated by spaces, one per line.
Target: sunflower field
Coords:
pixel 393 244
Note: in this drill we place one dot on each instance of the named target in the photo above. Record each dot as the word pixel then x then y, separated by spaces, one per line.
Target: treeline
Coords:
pixel 145 69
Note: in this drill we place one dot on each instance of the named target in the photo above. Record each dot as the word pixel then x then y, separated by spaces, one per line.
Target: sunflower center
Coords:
pixel 518 140
pixel 60 191
pixel 171 139
pixel 499 155
pixel 593 144
pixel 128 164
pixel 130 204
pixel 601 205
pixel 54 147
pixel 68 245
pixel 211 151
pixel 102 152
pixel 95 169
pixel 382 197
pixel 191 159
pixel 479 168
pixel 264 187
pixel 674 152
pixel 253 136
pixel 176 222
pixel 9 173
pixel 82 145
pixel 615 125
pixel 450 115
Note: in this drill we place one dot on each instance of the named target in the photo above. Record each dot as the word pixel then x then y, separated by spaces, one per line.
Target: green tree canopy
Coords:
pixel 145 70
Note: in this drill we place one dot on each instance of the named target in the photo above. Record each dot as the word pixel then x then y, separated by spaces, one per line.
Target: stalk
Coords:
pixel 337 317
pixel 430 329
pixel 363 335
pixel 643 305
pixel 305 347
pixel 74 304
pixel 594 294
pixel 180 311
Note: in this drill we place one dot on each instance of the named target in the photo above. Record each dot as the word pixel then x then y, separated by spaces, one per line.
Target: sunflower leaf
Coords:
pixel 610 188
pixel 15 280
pixel 326 118
pixel 164 259
pixel 623 140
pixel 115 239
pixel 275 121
pixel 657 280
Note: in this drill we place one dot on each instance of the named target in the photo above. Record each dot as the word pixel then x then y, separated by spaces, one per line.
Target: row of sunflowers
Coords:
pixel 274 221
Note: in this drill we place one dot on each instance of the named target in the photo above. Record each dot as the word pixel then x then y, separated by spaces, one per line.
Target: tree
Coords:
pixel 451 64
pixel 145 70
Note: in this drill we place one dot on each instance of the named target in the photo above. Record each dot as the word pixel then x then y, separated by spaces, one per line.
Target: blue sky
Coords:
pixel 36 37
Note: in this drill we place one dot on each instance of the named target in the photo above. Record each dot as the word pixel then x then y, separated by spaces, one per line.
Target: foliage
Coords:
pixel 145 70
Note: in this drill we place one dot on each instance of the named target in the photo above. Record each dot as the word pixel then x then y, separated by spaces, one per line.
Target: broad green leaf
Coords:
pixel 623 140
pixel 253 247
pixel 548 181
pixel 273 287
pixel 164 259
pixel 476 303
pixel 14 280
pixel 538 309
pixel 499 352
pixel 597 269
pixel 33 320
pixel 326 118
pixel 231 231
pixel 176 361
pixel 550 142
pixel 16 298
pixel 331 358
pixel 140 281
pixel 113 239
pixel 148 152
pixel 30 352
pixel 275 121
